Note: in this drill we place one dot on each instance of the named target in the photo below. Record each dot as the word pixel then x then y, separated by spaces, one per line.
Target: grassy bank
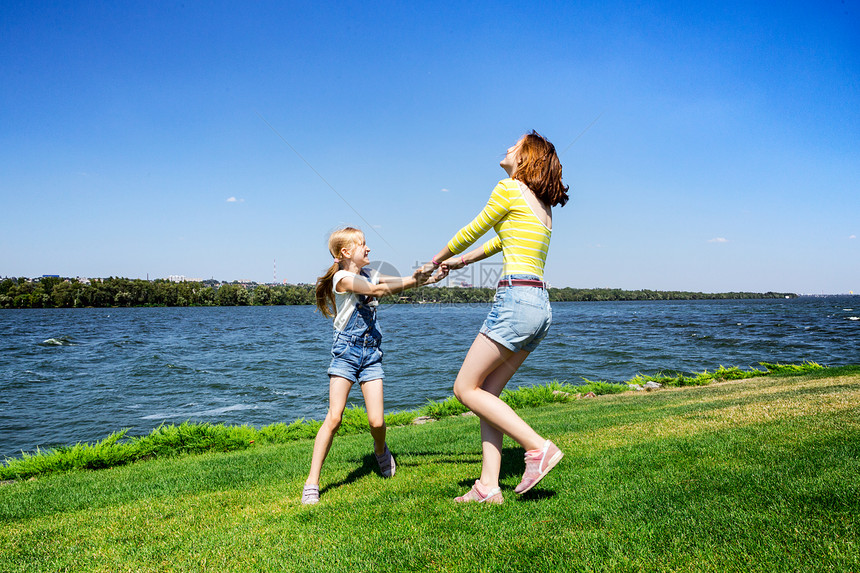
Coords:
pixel 190 438
pixel 747 475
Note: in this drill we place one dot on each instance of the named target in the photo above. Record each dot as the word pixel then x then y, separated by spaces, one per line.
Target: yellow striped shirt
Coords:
pixel 521 236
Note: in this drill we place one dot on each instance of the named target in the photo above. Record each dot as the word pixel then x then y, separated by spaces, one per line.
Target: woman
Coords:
pixel 520 211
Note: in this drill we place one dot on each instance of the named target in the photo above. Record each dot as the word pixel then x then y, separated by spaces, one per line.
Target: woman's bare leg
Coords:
pixel 483 358
pixel 491 437
pixel 338 390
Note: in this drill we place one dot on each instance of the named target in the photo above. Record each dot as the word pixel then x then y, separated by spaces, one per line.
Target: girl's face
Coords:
pixel 512 159
pixel 357 253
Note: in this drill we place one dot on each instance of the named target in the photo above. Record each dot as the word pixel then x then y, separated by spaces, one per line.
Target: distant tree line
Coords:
pixel 597 294
pixel 567 294
pixel 52 292
pixel 55 292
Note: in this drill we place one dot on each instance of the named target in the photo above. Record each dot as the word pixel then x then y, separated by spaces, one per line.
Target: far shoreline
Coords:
pixel 59 292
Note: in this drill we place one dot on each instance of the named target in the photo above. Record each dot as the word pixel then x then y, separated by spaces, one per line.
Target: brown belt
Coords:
pixel 522 282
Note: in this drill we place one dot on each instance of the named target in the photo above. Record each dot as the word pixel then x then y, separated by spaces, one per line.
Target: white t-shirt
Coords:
pixel 345 301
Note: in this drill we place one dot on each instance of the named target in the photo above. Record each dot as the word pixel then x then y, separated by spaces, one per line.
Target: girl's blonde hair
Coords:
pixel 339 239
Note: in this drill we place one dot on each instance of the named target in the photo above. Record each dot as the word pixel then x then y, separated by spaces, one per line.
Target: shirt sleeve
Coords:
pixel 497 207
pixel 336 279
pixel 493 246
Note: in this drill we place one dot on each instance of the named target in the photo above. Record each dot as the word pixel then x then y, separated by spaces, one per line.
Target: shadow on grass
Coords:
pixel 512 464
pixel 367 467
pixel 536 494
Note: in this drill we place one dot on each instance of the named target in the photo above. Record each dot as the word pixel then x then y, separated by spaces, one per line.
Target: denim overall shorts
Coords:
pixel 356 352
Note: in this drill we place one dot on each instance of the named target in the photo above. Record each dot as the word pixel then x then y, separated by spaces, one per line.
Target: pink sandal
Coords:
pixel 481 494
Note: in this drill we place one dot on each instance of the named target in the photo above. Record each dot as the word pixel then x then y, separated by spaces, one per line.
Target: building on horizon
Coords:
pixel 183 279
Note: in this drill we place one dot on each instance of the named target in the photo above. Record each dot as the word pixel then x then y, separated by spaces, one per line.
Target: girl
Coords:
pixel 347 292
pixel 520 211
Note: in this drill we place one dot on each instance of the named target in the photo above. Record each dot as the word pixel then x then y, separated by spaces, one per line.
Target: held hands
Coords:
pixel 454 263
pixel 440 274
pixel 422 275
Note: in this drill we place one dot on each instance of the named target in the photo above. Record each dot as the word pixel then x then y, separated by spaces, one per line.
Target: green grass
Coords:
pixel 747 475
pixel 190 438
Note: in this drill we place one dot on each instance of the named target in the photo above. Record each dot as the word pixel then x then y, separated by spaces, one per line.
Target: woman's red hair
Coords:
pixel 539 168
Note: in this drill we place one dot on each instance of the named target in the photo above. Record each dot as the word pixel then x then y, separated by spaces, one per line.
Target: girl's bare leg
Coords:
pixel 483 358
pixel 338 390
pixel 373 403
pixel 491 437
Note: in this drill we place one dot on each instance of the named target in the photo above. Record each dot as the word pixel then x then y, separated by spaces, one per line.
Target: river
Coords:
pixel 70 375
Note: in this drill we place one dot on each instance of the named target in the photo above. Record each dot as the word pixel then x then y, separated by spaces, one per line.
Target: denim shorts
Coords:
pixel 520 316
pixel 355 358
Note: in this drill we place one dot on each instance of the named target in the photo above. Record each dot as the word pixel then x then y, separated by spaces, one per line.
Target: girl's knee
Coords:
pixel 375 422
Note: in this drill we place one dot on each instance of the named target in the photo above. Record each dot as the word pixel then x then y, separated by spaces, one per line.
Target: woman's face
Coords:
pixel 511 160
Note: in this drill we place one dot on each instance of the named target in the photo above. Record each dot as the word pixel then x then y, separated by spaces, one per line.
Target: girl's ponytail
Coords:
pixel 325 291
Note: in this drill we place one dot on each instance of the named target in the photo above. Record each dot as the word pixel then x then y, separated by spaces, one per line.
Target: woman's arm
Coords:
pixel 460 261
pixel 455 262
pixel 497 207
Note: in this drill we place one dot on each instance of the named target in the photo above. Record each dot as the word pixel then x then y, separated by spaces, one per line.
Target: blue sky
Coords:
pixel 135 139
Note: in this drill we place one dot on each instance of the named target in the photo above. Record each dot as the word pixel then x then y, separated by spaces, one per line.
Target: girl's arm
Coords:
pixel 390 280
pixel 421 278
pixel 387 285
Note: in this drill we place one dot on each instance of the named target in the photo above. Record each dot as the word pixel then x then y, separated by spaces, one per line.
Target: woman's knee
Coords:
pixel 332 422
pixel 463 390
pixel 458 393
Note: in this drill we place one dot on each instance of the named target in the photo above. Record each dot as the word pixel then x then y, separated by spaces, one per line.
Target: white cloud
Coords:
pixel 234 200
pixel 718 240
pixel 445 191
pixel 853 237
